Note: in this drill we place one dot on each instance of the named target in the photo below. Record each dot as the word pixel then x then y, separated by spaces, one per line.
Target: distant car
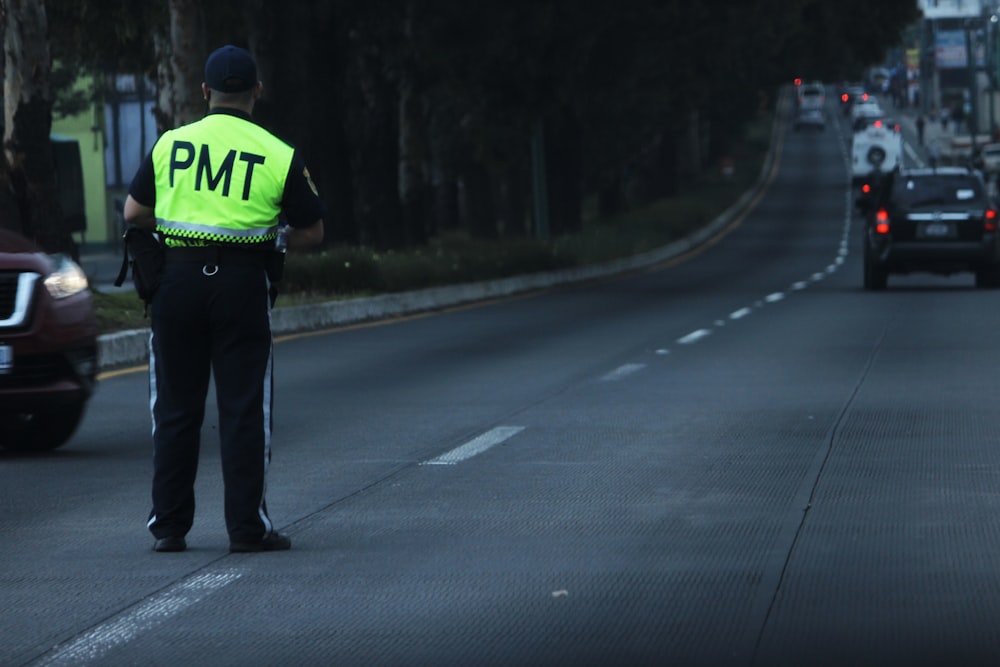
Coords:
pixel 811 96
pixel 48 346
pixel 869 108
pixel 813 119
pixel 876 149
pixel 935 220
pixel 991 158
pixel 851 95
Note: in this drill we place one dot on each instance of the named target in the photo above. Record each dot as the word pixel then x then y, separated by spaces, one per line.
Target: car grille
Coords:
pixel 8 294
pixel 16 292
pixel 37 371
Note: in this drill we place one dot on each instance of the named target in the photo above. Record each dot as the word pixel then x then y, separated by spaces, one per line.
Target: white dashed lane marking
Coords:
pixel 477 445
pixel 694 336
pixel 622 371
pixel 774 297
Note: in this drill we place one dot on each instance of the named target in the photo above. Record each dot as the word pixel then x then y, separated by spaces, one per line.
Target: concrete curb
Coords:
pixel 124 348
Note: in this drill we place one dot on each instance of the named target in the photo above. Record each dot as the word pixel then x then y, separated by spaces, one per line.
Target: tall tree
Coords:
pixel 181 56
pixel 27 125
pixel 389 99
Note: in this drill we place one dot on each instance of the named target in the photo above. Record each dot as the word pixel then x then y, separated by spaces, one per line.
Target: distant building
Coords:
pixel 958 59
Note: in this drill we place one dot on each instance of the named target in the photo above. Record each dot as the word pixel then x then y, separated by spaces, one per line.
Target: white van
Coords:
pixel 878 148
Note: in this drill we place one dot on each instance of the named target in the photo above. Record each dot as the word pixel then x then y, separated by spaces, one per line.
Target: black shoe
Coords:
pixel 273 542
pixel 172 543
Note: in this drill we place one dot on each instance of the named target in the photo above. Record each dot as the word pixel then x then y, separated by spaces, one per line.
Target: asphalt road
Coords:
pixel 736 458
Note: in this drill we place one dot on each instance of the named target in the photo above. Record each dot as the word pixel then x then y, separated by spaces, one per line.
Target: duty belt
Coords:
pixel 216 255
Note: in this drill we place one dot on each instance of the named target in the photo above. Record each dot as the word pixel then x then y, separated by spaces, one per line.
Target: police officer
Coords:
pixel 214 190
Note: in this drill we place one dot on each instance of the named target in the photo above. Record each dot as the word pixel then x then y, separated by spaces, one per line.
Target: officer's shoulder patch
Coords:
pixel 309 180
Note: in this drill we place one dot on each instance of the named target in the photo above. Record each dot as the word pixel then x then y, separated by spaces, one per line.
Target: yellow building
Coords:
pixel 85 129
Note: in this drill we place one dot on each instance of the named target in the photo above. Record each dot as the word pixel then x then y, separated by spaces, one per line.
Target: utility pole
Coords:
pixel 972 117
pixel 539 180
pixel 993 60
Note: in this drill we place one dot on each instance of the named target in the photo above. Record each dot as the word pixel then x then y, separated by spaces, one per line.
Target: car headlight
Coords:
pixel 66 279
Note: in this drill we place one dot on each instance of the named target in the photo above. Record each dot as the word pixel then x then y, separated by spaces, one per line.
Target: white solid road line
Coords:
pixel 92 646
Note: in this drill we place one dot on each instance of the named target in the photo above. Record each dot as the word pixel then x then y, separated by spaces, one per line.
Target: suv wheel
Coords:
pixel 40 431
pixel 988 277
pixel 876 277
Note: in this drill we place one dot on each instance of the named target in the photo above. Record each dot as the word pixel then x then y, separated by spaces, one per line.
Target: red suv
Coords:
pixel 48 346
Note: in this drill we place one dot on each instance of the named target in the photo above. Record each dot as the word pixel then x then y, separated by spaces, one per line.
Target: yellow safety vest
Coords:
pixel 219 180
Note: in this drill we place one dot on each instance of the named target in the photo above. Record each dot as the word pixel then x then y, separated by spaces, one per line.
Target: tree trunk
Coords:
pixel 513 199
pixel 610 197
pixel 690 154
pixel 444 214
pixel 375 152
pixel 10 218
pixel 477 202
pixel 443 147
pixel 414 189
pixel 28 124
pixel 414 185
pixel 181 68
pixel 563 173
pixel 293 107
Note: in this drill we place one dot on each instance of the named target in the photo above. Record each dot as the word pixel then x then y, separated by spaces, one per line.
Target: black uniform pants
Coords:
pixel 216 324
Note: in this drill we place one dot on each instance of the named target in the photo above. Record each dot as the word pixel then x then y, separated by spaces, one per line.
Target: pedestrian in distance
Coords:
pixel 958 118
pixel 934 153
pixel 921 123
pixel 214 191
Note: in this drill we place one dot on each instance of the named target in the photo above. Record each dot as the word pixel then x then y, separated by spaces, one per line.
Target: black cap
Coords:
pixel 230 69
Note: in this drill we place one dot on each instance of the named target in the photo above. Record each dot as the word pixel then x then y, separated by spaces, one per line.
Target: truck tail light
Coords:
pixel 882 222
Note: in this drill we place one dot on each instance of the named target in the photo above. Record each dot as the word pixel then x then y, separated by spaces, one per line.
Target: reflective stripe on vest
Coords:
pixel 219 180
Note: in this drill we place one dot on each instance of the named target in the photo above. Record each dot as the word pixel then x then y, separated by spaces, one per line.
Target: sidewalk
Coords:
pixel 937 139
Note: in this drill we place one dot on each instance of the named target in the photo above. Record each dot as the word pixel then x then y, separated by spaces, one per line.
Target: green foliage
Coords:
pixel 103 36
pixel 119 311
pixel 622 88
pixel 349 270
